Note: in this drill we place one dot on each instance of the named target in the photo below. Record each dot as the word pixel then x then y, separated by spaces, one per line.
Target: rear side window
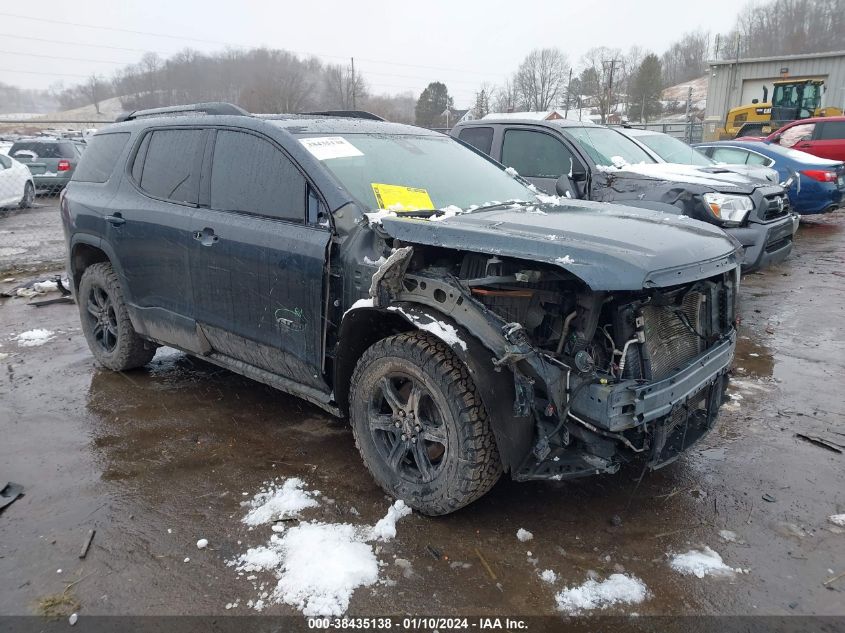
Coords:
pixel 171 165
pixel 535 154
pixel 99 160
pixel 251 175
pixel 479 137
pixel 45 150
pixel 729 155
pixel 832 130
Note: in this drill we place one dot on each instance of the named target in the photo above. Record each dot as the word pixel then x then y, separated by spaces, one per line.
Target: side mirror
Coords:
pixel 579 172
pixel 563 186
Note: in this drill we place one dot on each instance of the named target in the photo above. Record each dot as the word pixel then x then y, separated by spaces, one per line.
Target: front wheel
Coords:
pixel 420 425
pixel 105 321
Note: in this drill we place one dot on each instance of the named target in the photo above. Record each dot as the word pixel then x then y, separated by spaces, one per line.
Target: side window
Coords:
pixel 757 159
pixel 797 133
pixel 171 166
pixel 480 138
pixel 249 174
pixel 832 130
pixel 729 155
pixel 535 154
pixel 316 211
pixel 99 161
pixel 66 150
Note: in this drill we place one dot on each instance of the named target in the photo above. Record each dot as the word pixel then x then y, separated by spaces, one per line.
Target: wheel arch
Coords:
pixel 362 327
pixel 86 250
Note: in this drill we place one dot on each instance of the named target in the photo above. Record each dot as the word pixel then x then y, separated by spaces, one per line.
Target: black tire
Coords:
pixel 28 196
pixel 444 456
pixel 105 321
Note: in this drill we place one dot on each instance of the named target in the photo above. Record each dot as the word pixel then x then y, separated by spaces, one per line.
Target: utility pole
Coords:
pixel 689 121
pixel 568 95
pixel 612 63
pixel 353 83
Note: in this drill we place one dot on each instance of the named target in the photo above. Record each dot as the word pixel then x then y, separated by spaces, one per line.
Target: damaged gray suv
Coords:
pixel 467 325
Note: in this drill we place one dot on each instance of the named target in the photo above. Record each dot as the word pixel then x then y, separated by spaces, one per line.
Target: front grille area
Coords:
pixel 777 206
pixel 672 334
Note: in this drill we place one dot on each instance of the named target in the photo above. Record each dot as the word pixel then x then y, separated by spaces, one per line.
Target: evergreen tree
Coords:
pixel 432 103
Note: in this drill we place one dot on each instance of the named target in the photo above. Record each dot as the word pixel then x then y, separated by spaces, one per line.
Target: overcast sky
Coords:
pixel 398 45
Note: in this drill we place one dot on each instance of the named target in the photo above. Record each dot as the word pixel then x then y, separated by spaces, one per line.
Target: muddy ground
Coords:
pixel 157 458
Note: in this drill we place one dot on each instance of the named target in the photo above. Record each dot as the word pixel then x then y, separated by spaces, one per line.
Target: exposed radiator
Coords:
pixel 669 342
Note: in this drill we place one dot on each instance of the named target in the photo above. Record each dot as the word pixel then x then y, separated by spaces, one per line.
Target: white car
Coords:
pixel 16 186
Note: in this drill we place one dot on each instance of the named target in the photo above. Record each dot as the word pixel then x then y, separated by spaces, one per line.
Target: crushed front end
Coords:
pixel 608 377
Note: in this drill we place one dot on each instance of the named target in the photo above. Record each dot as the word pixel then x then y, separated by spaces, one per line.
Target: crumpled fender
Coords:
pixel 513 432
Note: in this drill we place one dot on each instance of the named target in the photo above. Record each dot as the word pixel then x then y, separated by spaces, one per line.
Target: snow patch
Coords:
pixel 444 331
pixel 34 338
pixel 837 519
pixel 547 575
pixel 566 259
pixel 385 529
pixel 617 589
pixel 524 535
pixel 279 502
pixel 377 216
pixel 701 563
pixel 317 565
pixel 728 536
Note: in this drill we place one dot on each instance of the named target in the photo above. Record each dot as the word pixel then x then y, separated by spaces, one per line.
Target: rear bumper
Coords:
pixel 765 244
pixel 50 182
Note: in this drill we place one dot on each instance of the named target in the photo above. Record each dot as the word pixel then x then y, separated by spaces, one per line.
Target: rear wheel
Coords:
pixel 420 425
pixel 105 321
pixel 28 196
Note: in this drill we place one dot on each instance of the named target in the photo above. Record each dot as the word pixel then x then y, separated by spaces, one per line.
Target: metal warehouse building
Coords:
pixel 732 83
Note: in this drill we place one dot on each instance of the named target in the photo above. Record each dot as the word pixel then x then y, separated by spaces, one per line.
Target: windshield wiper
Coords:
pixel 499 205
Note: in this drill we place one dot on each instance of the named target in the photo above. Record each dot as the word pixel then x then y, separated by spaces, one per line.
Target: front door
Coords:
pixel 538 157
pixel 258 267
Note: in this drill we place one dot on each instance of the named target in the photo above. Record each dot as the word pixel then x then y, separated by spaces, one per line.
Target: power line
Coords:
pixel 222 43
pixel 125 63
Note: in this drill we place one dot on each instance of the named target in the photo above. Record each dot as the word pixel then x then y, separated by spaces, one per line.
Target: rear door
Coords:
pixel 829 140
pixel 258 266
pixel 149 225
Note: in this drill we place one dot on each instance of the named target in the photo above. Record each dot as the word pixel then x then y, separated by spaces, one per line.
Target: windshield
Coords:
pixel 806 96
pixel 402 172
pixel 606 146
pixel 673 150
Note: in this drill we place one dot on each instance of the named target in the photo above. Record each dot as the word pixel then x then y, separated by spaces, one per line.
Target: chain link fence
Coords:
pixel 688 132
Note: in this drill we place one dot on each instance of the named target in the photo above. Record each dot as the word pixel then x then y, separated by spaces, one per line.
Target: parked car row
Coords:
pixel 466 323
pixel 594 162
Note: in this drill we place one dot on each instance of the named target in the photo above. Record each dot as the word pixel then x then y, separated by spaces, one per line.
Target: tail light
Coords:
pixel 821 175
pixel 64 165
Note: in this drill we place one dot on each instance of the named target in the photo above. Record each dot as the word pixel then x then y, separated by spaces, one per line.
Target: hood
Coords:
pixel 608 246
pixel 716 177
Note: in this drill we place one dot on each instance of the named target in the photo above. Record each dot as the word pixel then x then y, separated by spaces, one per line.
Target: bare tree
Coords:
pixel 785 27
pixel 687 58
pixel 506 97
pixel 598 79
pixel 343 89
pixel 541 78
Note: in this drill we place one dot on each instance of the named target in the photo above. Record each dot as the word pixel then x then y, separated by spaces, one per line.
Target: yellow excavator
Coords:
pixel 792 99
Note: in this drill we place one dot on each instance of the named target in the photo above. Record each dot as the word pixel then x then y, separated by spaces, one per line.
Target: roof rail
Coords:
pixel 353 114
pixel 213 107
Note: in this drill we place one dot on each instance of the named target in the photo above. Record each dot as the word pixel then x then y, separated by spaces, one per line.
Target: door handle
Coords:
pixel 206 237
pixel 115 220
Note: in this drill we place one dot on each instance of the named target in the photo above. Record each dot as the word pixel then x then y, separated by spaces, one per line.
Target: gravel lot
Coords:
pixel 156 459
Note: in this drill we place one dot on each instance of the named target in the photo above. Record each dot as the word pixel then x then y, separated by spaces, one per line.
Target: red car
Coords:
pixel 820 136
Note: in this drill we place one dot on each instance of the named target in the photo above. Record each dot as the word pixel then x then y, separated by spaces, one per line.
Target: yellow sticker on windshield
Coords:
pixel 398 198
